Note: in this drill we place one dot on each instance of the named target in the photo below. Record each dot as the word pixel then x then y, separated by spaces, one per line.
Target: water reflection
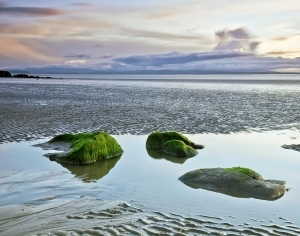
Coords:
pixel 231 193
pixel 158 154
pixel 92 172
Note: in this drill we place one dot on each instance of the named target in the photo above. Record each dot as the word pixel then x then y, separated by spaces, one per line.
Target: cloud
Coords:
pixel 248 64
pixel 165 36
pixel 278 53
pixel 98 45
pixel 106 56
pixel 81 4
pixel 76 62
pixel 237 39
pixel 23 51
pixel 28 11
pixel 165 12
pixel 79 56
pixel 280 38
pixel 177 58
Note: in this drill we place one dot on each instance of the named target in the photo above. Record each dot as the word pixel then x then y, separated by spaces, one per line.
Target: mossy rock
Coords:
pixel 235 181
pixel 246 171
pixel 85 148
pixel 179 148
pixel 156 140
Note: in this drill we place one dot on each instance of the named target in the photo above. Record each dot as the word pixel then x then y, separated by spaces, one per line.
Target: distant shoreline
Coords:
pixel 165 73
pixel 7 74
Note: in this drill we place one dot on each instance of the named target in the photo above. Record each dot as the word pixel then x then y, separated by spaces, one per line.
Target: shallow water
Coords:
pixel 27 177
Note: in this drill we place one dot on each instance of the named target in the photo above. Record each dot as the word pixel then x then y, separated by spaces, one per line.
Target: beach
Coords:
pixel 32 109
pixel 241 122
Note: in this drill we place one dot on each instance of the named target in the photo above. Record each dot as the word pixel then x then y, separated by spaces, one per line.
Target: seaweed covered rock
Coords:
pixel 83 148
pixel 235 181
pixel 156 140
pixel 179 148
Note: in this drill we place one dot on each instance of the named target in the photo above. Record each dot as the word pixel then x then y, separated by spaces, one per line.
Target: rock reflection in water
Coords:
pixel 158 154
pixel 92 172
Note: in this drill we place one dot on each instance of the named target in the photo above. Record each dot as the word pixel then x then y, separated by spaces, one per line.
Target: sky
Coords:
pixel 116 35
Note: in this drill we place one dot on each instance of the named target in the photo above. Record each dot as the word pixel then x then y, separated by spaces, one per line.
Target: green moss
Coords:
pixel 179 148
pixel 245 171
pixel 156 140
pixel 89 147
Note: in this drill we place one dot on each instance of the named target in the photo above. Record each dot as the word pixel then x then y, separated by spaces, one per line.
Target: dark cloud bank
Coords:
pixel 158 60
pixel 28 11
pixel 234 53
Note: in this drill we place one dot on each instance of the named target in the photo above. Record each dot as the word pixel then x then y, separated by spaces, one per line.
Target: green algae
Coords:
pixel 89 147
pixel 156 140
pixel 245 171
pixel 179 148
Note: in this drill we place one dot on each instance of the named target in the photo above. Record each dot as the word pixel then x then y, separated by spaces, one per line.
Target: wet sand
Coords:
pixel 32 109
pixel 88 216
pixel 91 216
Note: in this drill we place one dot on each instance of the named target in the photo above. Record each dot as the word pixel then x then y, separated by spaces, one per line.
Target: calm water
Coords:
pixel 152 182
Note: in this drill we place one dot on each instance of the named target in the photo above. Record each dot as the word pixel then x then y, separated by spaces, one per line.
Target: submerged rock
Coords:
pixel 236 181
pixel 295 147
pixel 156 140
pixel 83 148
pixel 179 148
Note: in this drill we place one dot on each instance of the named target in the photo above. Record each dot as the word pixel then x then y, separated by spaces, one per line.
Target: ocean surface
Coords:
pixel 241 120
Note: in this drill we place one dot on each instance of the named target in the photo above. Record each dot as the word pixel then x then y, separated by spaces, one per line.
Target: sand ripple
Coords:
pixel 54 211
pixel 32 109
pixel 90 216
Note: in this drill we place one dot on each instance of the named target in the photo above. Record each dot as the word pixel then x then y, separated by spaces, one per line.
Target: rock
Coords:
pixel 5 73
pixel 179 148
pixel 295 147
pixel 236 181
pixel 83 148
pixel 156 140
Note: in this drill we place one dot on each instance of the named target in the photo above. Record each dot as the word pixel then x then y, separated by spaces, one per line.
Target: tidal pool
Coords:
pixel 150 181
